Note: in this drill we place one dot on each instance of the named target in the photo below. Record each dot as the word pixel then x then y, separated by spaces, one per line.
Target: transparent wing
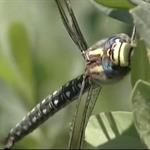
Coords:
pixel 92 96
pixel 71 24
pixel 84 110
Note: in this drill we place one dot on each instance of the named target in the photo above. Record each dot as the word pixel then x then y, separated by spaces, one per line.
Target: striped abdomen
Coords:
pixel 45 109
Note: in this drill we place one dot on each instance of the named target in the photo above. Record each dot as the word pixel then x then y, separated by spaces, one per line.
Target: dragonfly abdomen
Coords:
pixel 45 109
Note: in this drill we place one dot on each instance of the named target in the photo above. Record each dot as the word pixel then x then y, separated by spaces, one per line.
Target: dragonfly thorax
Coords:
pixel 109 60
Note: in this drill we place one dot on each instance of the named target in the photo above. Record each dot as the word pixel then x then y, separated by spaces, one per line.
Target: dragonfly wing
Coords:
pixel 92 98
pixel 71 24
pixel 74 141
pixel 84 110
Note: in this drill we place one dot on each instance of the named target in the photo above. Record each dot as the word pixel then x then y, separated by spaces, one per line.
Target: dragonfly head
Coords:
pixel 118 49
pixel 110 60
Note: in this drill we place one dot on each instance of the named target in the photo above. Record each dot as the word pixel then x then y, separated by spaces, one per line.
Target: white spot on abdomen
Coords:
pixel 32 110
pixel 54 92
pixel 12 130
pixel 18 133
pixel 56 101
pixel 44 111
pixel 68 93
pixel 25 127
pixel 17 125
pixel 34 119
pixel 43 101
pixel 24 118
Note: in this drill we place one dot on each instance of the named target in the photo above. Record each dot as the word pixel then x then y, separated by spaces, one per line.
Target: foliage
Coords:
pixel 37 57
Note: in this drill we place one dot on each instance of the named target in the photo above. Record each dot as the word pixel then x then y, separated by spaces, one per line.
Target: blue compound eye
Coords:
pixel 111 42
pixel 111 70
pixel 108 67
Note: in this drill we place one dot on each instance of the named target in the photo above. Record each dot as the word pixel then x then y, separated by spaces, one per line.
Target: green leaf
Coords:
pixel 140 63
pixel 105 127
pixel 6 71
pixel 141 110
pixel 22 57
pixel 119 14
pixel 21 50
pixel 141 18
pixel 119 4
pixel 141 58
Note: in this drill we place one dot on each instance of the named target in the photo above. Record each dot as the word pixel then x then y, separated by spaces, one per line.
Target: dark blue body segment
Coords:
pixel 110 41
pixel 113 71
pixel 46 108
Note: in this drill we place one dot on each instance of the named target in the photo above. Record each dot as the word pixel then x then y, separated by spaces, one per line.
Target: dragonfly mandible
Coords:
pixel 107 61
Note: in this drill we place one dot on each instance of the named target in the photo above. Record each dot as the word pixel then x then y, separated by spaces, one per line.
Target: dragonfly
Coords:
pixel 107 61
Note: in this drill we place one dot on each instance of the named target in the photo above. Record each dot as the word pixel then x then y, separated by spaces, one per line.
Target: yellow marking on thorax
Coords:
pixel 98 51
pixel 96 69
pixel 116 53
pixel 124 54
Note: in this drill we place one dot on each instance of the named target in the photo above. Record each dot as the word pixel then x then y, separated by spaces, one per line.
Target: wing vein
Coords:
pixel 71 25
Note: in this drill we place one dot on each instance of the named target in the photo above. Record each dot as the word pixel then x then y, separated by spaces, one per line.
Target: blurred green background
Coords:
pixel 37 57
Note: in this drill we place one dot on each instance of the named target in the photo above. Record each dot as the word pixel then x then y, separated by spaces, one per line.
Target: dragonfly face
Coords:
pixel 119 49
pixel 110 60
